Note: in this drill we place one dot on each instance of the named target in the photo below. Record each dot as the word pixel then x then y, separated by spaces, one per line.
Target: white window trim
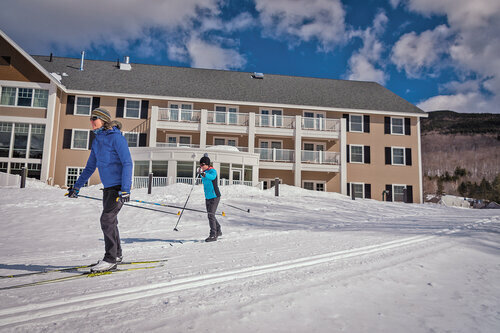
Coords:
pixel 180 104
pixel 269 141
pixel 76 104
pixel 392 133
pixel 268 180
pixel 315 145
pixel 315 113
pixel 78 175
pixel 137 134
pixel 404 156
pixel 315 182
pixel 225 138
pixel 125 108
pixel 227 107
pixel 16 97
pixel 271 110
pixel 73 138
pixel 362 154
pixel 362 186
pixel 392 193
pixel 178 138
pixel 362 123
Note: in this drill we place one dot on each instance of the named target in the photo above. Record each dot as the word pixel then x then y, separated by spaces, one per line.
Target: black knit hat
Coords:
pixel 205 160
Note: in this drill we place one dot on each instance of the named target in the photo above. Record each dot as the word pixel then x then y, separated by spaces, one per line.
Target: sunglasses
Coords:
pixel 94 118
pixel 202 164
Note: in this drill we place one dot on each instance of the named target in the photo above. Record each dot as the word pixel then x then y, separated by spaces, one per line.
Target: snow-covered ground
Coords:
pixel 302 262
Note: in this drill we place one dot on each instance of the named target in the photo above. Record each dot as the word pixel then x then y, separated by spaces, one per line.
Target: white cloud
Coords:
pixel 362 64
pixel 207 55
pixel 304 21
pixel 419 54
pixel 471 102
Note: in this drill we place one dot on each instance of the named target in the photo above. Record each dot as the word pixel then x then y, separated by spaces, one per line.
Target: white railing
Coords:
pixel 229 148
pixel 179 115
pixel 227 118
pixel 266 120
pixel 276 155
pixel 321 124
pixel 187 180
pixel 320 157
pixel 142 182
pixel 7 179
pixel 176 145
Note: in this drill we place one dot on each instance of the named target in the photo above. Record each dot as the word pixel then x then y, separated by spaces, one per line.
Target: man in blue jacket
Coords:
pixel 110 154
pixel 212 196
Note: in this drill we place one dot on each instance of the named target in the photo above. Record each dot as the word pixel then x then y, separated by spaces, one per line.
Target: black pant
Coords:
pixel 109 223
pixel 212 221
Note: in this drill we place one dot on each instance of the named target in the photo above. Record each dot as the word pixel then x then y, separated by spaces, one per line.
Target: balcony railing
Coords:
pixel 227 118
pixel 276 155
pixel 266 120
pixel 320 124
pixel 229 148
pixel 320 157
pixel 176 145
pixel 179 115
pixel 142 182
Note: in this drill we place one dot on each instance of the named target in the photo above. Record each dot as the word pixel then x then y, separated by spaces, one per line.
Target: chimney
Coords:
pixel 50 59
pixel 81 62
pixel 125 65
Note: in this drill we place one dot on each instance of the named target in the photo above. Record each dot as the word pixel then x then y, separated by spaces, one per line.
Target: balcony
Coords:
pixel 176 145
pixel 227 118
pixel 274 121
pixel 179 115
pixel 321 124
pixel 320 157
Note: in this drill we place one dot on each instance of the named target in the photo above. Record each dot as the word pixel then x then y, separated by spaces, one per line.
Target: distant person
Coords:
pixel 212 196
pixel 110 154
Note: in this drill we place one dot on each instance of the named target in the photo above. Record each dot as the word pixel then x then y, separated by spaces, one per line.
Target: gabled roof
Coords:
pixel 208 84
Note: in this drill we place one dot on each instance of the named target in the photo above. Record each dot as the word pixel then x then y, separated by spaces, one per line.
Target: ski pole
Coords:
pixel 172 206
pixel 155 210
pixel 243 210
pixel 185 204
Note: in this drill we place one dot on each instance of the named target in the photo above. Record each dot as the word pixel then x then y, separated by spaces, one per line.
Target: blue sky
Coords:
pixel 437 54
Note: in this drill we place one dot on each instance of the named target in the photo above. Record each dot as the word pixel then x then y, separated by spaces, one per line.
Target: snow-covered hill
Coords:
pixel 302 262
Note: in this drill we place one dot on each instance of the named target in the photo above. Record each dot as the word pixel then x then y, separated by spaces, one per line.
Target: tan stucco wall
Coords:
pixel 286 176
pixel 19 111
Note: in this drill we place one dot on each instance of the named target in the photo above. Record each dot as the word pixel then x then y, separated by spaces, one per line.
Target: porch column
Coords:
pixel 152 126
pixel 203 128
pixel 343 156
pixel 298 151
pixel 251 132
pixel 48 137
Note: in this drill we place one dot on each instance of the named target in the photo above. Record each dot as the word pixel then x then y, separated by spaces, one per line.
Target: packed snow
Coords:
pixel 301 262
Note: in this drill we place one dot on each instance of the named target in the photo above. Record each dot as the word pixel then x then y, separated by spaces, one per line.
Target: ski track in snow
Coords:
pixel 29 312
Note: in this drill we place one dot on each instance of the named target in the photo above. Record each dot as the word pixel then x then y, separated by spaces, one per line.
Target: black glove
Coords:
pixel 202 174
pixel 123 196
pixel 73 192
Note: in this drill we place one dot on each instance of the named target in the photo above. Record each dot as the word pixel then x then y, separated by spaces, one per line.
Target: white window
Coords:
pixel 397 126
pixel 356 154
pixel 8 96
pixel 398 193
pixel 179 140
pixel 83 106
pixel 271 117
pixel 269 183
pixel 398 156
pixel 358 189
pixel 184 110
pixel 132 108
pixel 24 97
pixel 41 98
pixel 314 185
pixel 355 123
pixel 225 141
pixel 132 138
pixel 80 139
pixel 226 114
pixel 313 120
pixel 72 174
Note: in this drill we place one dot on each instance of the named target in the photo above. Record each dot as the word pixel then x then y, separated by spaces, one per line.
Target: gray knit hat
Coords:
pixel 102 114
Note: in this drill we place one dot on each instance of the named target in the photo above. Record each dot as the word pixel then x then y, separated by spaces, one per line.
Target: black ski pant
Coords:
pixel 109 223
pixel 212 221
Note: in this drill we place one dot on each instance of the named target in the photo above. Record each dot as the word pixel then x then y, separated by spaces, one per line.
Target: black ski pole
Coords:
pixel 243 210
pixel 185 204
pixel 173 206
pixel 155 210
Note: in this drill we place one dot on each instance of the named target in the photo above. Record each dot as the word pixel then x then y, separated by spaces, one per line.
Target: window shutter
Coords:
pixel 366 124
pixel 387 125
pixel 388 157
pixel 346 116
pixel 67 139
pixel 144 109
pixel 70 104
pixel 96 102
pixel 348 154
pixel 349 189
pixel 409 194
pixel 367 154
pixel 388 196
pixel 408 156
pixel 142 139
pixel 368 191
pixel 407 126
pixel 91 138
pixel 120 106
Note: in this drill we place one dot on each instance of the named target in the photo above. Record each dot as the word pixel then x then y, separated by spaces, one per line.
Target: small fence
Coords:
pixel 7 179
pixel 142 182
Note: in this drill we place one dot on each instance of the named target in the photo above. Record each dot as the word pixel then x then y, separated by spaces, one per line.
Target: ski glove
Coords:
pixel 123 196
pixel 73 192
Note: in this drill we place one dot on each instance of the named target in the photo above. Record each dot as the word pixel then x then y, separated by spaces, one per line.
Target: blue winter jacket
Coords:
pixel 210 185
pixel 110 154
